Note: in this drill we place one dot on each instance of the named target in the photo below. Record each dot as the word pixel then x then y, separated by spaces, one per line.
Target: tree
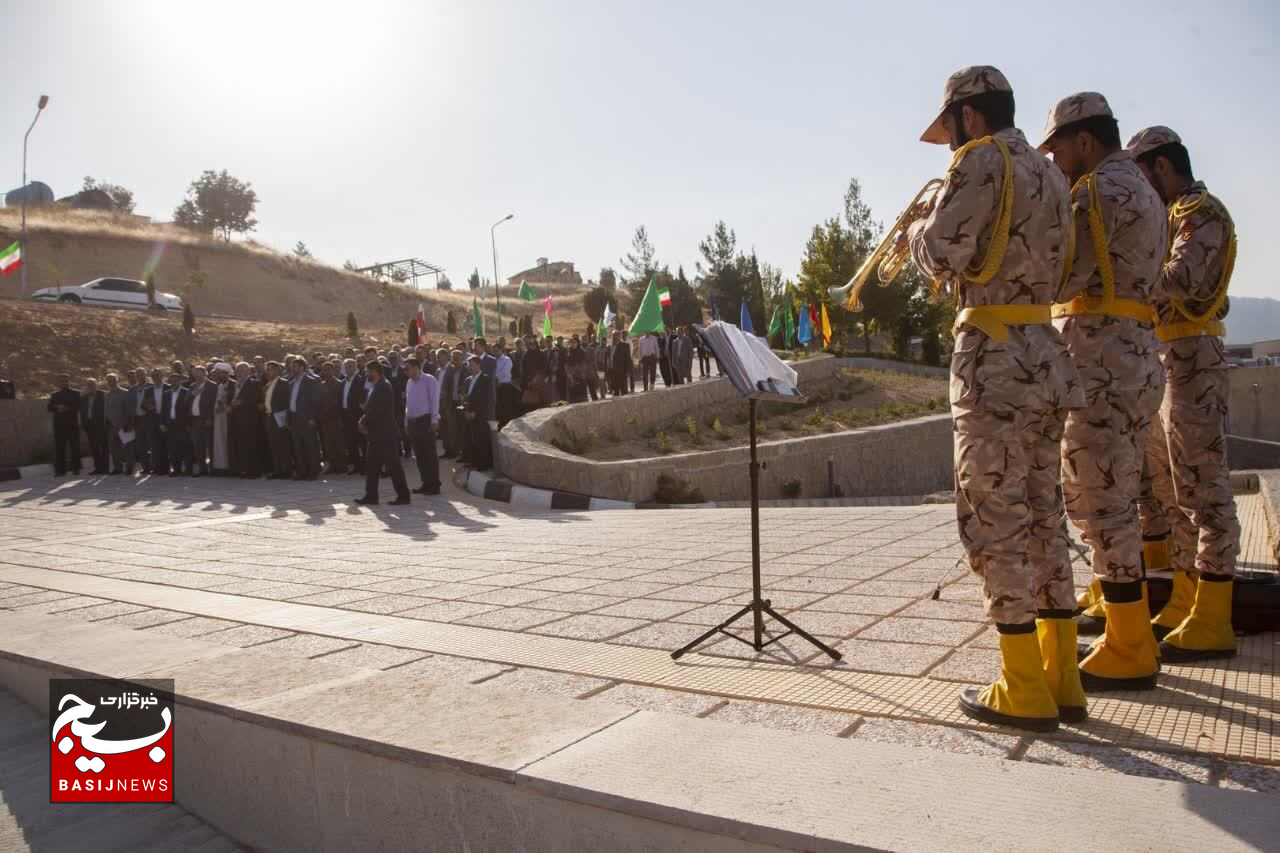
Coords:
pixel 349 264
pixel 473 280
pixel 686 307
pixel 444 283
pixel 302 251
pixel 151 289
pixel 639 263
pixel 608 278
pixel 727 276
pixel 218 203
pixel 188 318
pixel 594 301
pixel 120 197
pixel 196 281
pixel 450 324
pixel 353 331
pixel 513 328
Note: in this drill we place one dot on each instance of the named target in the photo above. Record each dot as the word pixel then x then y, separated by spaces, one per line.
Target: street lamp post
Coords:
pixel 493 242
pixel 22 229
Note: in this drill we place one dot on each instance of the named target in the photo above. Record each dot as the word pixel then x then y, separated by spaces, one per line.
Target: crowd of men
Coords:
pixel 1115 420
pixel 303 417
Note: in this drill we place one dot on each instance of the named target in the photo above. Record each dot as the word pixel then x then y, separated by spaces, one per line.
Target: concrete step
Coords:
pixel 28 821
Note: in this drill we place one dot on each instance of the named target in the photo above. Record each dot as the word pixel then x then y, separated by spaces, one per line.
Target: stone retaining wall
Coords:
pixel 26 433
pixel 912 457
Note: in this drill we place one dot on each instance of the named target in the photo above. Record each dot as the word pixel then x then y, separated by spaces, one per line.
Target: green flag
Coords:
pixel 526 292
pixel 477 322
pixel 546 325
pixel 649 316
pixel 775 322
pixel 789 321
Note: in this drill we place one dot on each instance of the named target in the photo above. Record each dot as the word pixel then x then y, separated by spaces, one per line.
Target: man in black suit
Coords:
pixel 244 424
pixel 335 445
pixel 93 416
pixel 351 401
pixel 451 381
pixel 203 397
pixel 477 406
pixel 382 434
pixel 620 367
pixel 65 406
pixel 175 423
pixel 275 403
pixel 398 377
pixel 304 420
pixel 151 404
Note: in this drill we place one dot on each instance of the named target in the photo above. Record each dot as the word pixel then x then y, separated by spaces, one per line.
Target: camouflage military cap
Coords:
pixel 1073 108
pixel 965 83
pixel 1151 138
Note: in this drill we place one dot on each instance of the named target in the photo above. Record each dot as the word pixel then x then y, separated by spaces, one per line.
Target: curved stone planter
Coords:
pixel 907 458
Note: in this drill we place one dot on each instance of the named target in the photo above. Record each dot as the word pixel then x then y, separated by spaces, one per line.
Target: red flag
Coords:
pixel 422 323
pixel 815 323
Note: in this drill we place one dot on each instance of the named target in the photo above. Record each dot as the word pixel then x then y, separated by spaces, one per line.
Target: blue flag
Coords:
pixel 745 322
pixel 715 313
pixel 803 335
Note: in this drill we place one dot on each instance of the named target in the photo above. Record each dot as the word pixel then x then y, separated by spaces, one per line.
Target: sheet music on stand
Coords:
pixel 751 366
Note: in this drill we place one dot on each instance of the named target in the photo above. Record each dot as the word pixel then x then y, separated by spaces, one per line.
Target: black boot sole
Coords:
pixel 1097 684
pixel 1072 714
pixel 1160 631
pixel 1083 650
pixel 1089 626
pixel 971 707
pixel 1174 654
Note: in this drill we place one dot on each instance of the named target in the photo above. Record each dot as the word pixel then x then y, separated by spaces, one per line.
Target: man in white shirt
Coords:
pixel 647 349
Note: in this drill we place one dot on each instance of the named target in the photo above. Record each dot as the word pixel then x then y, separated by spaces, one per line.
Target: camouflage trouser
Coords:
pixel 1010 512
pixel 1188 478
pixel 1102 454
pixel 1160 516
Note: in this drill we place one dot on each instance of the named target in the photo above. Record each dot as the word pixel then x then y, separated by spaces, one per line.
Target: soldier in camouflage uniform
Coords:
pixel 997 235
pixel 1108 324
pixel 1191 302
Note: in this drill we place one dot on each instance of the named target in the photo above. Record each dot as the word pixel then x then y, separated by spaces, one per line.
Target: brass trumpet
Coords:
pixel 887 260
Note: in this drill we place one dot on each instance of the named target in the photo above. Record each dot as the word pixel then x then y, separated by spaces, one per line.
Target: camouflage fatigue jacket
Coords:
pixel 1192 273
pixel 1117 353
pixel 1032 370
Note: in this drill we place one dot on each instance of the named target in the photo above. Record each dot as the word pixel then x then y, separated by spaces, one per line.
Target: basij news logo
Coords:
pixel 112 741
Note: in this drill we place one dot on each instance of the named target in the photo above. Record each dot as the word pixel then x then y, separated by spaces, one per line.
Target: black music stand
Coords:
pixel 759 605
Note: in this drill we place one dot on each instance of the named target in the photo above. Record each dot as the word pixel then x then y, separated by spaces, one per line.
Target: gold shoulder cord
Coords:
pixel 1004 212
pixel 1178 213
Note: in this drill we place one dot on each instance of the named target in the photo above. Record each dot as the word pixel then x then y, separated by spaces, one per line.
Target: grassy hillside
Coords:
pixel 243 279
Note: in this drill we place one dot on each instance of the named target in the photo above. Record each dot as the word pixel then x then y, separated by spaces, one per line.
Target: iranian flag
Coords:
pixel 664 298
pixel 11 258
pixel 422 324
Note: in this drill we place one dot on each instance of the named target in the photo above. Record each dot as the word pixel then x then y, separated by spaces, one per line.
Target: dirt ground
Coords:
pixel 39 341
pixel 854 399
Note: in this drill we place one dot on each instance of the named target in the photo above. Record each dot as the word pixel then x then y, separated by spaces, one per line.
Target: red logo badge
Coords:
pixel 110 741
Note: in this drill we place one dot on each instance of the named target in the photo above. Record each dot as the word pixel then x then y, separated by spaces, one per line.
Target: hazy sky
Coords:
pixel 377 130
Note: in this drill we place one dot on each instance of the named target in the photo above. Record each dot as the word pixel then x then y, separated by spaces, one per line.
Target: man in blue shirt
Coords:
pixel 421 418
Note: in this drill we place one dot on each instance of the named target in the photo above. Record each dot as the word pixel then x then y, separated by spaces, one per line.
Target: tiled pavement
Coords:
pixel 588 605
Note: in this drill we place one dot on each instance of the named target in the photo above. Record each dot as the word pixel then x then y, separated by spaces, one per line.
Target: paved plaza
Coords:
pixel 589 606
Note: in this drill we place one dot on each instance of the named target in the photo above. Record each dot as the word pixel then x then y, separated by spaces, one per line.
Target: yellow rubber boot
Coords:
pixel 1206 633
pixel 1146 600
pixel 1125 659
pixel 1092 619
pixel 1092 595
pixel 1178 607
pixel 1155 553
pixel 1057 635
pixel 1020 697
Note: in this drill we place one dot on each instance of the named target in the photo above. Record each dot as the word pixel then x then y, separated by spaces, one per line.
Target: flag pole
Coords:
pixel 497 291
pixel 22 229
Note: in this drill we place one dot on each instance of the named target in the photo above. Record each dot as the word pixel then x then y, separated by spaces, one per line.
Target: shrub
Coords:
pixel 579 444
pixel 723 432
pixel 816 417
pixel 786 424
pixel 631 419
pixel 694 430
pixel 792 488
pixel 671 490
pixel 663 442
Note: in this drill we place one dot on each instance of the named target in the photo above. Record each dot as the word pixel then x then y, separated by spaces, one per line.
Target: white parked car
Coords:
pixel 110 293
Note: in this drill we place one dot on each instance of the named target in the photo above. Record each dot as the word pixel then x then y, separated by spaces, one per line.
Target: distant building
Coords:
pixel 547 272
pixel 1258 352
pixel 33 193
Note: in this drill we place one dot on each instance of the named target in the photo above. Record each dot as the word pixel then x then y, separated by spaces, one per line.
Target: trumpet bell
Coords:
pixel 846 297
